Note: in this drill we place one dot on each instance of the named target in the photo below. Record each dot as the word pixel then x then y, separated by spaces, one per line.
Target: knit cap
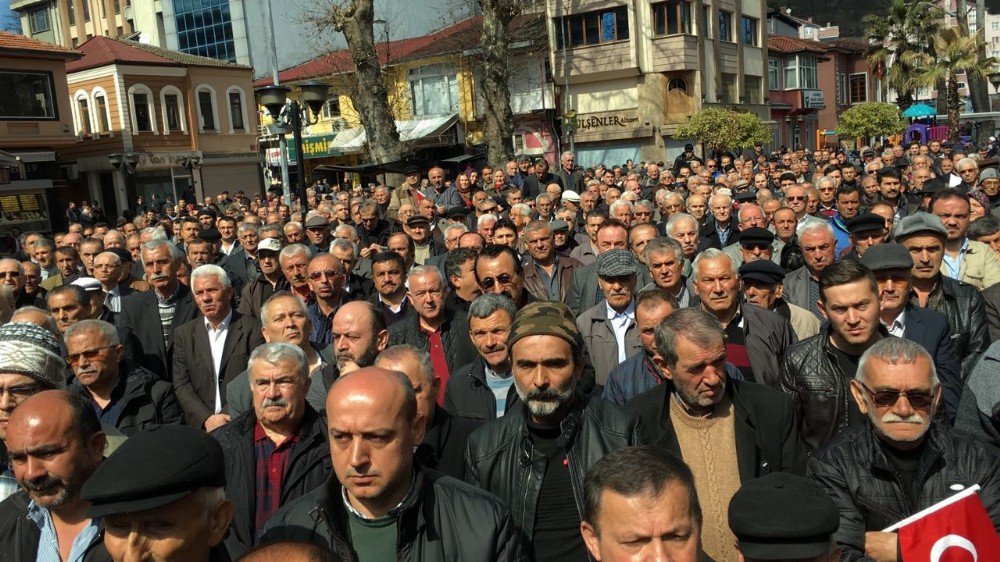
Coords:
pixel 30 350
pixel 546 318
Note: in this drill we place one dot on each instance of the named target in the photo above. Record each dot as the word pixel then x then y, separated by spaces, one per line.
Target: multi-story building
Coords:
pixel 435 97
pixel 150 120
pixel 632 70
pixel 71 22
pixel 35 122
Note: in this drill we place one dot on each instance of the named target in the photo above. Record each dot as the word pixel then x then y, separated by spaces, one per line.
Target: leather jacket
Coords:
pixel 966 311
pixel 869 493
pixel 502 460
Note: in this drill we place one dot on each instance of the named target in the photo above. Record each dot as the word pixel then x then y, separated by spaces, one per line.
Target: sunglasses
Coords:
pixel 888 398
pixel 796 198
pixel 90 354
pixel 329 274
pixel 502 279
pixel 753 247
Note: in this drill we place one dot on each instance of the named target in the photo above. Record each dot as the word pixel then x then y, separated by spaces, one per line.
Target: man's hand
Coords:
pixel 216 421
pixel 883 547
pixel 347 367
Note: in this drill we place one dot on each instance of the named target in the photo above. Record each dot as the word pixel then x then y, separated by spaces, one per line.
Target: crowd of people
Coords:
pixel 741 357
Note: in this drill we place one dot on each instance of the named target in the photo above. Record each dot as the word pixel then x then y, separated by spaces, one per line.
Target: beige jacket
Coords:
pixel 980 266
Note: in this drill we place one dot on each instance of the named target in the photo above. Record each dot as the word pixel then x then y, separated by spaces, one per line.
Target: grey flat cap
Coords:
pixel 616 263
pixel 919 222
pixel 887 256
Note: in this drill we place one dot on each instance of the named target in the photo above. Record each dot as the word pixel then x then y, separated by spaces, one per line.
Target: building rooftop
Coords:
pixel 788 45
pixel 101 51
pixel 15 43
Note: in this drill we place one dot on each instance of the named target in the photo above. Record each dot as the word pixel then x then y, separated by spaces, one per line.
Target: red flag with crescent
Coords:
pixel 957 529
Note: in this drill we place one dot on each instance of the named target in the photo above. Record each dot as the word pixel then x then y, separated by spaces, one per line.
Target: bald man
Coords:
pixel 373 428
pixel 292 552
pixel 54 443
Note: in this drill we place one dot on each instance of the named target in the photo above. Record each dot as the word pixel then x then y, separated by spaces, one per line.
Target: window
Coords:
pixel 86 10
pixel 791 73
pixel 774 74
pixel 706 21
pixel 38 20
pixel 118 6
pixel 858 88
pixel 677 84
pixel 26 95
pixel 750 32
pixel 206 108
pixel 84 110
pixel 725 26
pixel 204 27
pixel 172 112
pixel 331 109
pixel 753 89
pixel 672 18
pixel 71 12
pixel 594 28
pixel 143 113
pixel 101 107
pixel 236 110
pixel 434 90
pixel 728 88
pixel 807 73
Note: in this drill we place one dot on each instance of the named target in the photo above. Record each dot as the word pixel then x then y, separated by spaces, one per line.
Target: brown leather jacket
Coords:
pixel 534 284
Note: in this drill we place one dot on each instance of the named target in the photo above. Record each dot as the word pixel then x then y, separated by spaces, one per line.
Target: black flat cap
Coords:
pixel 456 213
pixel 411 169
pixel 932 186
pixel 865 222
pixel 154 468
pixel 210 235
pixel 765 271
pixel 887 256
pixel 756 235
pixel 206 212
pixel 123 254
pixel 781 517
pixel 745 196
pixel 417 219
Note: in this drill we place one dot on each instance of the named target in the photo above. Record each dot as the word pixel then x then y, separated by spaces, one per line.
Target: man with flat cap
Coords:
pixel 755 243
pixel 866 230
pixel 892 265
pixel 763 286
pixel 782 516
pixel 608 328
pixel 318 233
pixel 379 504
pixel 161 497
pixel 406 194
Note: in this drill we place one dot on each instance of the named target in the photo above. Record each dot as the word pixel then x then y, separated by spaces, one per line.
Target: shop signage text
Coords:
pixel 606 121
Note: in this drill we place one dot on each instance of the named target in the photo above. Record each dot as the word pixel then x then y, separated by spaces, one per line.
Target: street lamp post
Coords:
pixel 125 164
pixel 275 98
pixel 189 163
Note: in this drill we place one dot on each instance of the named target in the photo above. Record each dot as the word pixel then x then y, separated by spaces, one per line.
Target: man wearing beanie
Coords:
pixel 30 362
pixel 534 458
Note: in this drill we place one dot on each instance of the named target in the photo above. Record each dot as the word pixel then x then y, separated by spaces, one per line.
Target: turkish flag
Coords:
pixel 957 529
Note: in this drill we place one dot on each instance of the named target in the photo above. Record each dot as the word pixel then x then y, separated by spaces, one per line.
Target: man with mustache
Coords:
pixel 484 389
pixel 388 270
pixel 31 360
pixel 55 443
pixel 608 328
pixel 379 504
pixel 294 261
pixel 534 458
pixel 499 272
pixel 433 328
pixel 326 277
pixel 878 473
pixel 211 350
pixel 277 451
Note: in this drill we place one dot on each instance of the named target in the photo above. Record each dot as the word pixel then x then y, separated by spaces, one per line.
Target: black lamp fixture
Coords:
pixel 994 79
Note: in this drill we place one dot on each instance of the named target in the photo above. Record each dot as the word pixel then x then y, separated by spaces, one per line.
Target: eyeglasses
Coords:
pixel 973 170
pixel 13 274
pixel 330 274
pixel 757 247
pixel 887 398
pixel 796 198
pixel 90 354
pixel 19 393
pixel 502 279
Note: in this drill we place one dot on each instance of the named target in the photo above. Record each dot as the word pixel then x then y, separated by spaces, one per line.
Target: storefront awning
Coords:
pixel 353 140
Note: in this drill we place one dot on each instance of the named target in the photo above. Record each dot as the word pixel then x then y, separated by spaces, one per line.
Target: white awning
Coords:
pixel 353 140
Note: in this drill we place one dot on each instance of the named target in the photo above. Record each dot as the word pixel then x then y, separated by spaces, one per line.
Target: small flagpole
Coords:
pixel 940 505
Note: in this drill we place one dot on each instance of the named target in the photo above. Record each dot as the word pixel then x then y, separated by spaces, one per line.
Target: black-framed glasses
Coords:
pixel 90 354
pixel 329 274
pixel 19 392
pixel 918 399
pixel 502 279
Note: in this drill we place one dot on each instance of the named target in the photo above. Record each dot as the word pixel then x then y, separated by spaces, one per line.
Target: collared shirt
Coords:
pixel 500 386
pixel 109 414
pixel 271 463
pixel 48 542
pixel 8 484
pixel 322 325
pixel 952 266
pixel 551 283
pixel 898 325
pixel 620 322
pixel 217 341
pixel 723 233
pixel 113 299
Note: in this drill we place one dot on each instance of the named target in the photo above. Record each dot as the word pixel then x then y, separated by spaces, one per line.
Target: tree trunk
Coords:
pixel 498 119
pixel 978 88
pixel 370 97
pixel 954 107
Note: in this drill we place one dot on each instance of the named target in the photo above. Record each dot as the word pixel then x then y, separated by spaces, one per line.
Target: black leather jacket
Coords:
pixel 966 311
pixel 869 494
pixel 440 519
pixel 811 375
pixel 502 460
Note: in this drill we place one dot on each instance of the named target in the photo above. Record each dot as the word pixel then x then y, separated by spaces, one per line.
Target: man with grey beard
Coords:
pixel 558 431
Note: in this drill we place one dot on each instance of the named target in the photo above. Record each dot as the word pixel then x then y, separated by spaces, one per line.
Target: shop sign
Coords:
pixel 162 159
pixel 317 146
pixel 813 99
pixel 608 120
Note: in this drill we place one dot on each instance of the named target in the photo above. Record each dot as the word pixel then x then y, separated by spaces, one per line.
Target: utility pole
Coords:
pixel 282 142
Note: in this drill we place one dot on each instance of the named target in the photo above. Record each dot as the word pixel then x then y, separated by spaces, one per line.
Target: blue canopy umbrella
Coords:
pixel 918 110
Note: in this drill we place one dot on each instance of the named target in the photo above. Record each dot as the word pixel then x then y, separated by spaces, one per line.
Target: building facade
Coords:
pixel 71 22
pixel 35 122
pixel 633 70
pixel 154 121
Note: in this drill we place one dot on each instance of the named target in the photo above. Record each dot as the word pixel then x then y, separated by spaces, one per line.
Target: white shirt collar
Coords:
pixel 629 310
pixel 224 325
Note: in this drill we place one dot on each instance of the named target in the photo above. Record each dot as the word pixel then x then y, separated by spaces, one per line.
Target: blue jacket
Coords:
pixel 841 233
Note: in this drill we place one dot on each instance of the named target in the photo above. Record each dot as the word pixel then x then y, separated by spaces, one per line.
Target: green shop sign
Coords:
pixel 317 146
